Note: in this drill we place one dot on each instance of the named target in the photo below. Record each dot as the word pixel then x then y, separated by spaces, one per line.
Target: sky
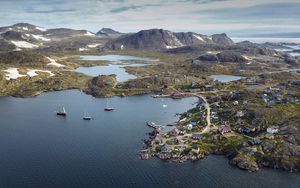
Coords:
pixel 234 17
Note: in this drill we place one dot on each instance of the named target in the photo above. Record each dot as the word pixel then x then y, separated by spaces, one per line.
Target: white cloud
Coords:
pixel 134 15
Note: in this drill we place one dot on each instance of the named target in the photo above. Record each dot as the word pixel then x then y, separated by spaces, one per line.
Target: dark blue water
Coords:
pixel 39 149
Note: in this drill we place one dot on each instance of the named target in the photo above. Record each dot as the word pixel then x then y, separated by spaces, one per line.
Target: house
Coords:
pixel 224 130
pixel 154 133
pixel 283 101
pixel 175 132
pixel 273 129
pixel 189 127
pixel 165 148
pixel 240 113
pixel 196 136
pixel 254 141
pixel 245 130
pixel 157 140
pixel 235 103
pixel 275 88
pixel 194 123
pixel 295 82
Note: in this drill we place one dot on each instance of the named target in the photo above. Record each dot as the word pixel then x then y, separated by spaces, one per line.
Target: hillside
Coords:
pixel 156 39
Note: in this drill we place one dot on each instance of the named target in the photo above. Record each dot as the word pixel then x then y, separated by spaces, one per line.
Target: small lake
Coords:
pixel 118 62
pixel 39 149
pixel 119 70
pixel 115 58
pixel 225 78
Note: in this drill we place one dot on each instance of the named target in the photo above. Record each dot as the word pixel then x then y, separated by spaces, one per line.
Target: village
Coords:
pixel 237 124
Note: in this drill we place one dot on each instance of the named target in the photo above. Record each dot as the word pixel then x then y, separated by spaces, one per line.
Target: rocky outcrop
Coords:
pixel 229 56
pixel 226 56
pixel 222 39
pixel 208 57
pixel 245 162
pixel 24 58
pixel 12 35
pixel 102 86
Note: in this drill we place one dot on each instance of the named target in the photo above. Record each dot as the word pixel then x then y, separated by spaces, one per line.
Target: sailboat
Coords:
pixel 86 116
pixel 108 108
pixel 62 112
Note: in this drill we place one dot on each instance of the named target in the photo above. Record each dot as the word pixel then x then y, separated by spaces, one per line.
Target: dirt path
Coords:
pixel 209 126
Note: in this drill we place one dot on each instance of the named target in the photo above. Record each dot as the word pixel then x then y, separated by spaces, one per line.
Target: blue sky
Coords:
pixel 235 17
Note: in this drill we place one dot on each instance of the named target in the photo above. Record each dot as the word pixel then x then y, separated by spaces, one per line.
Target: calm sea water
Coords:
pixel 274 40
pixel 264 39
pixel 39 149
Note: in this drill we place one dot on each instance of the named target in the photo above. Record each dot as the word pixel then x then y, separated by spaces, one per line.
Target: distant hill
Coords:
pixel 28 36
pixel 278 35
pixel 155 39
pixel 108 32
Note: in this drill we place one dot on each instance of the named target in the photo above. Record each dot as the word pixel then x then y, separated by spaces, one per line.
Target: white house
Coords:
pixel 189 127
pixel 272 129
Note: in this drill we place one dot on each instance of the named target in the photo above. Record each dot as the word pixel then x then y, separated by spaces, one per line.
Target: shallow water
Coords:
pixel 39 149
pixel 225 78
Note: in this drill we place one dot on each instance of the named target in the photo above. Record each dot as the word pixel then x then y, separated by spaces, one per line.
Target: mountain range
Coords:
pixel 27 36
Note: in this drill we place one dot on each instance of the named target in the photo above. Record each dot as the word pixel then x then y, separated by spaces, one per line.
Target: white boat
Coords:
pixel 62 112
pixel 108 108
pixel 86 116
pixel 153 125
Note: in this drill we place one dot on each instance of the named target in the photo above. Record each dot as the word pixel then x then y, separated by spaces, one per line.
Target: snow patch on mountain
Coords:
pixel 83 49
pixel 247 58
pixel 24 44
pixel 33 72
pixel 89 34
pixel 93 45
pixel 171 47
pixel 198 37
pixel 40 37
pixel 13 73
pixel 41 29
pixel 54 63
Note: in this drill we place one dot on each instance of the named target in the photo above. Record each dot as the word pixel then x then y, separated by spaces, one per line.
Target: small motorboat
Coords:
pixel 164 106
pixel 62 112
pixel 108 109
pixel 153 125
pixel 87 117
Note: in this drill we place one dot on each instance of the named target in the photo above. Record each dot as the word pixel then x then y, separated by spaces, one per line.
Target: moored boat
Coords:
pixel 62 112
pixel 153 125
pixel 108 108
pixel 87 117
